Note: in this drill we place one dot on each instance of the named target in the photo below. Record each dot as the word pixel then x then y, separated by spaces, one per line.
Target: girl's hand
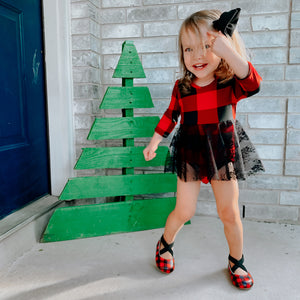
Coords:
pixel 222 47
pixel 220 44
pixel 149 152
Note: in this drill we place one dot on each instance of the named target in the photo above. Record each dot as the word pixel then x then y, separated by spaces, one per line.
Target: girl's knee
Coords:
pixel 184 215
pixel 229 215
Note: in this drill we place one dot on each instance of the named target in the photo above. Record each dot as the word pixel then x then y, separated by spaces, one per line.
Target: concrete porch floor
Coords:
pixel 122 266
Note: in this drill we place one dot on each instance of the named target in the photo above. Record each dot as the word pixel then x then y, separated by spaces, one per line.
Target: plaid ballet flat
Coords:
pixel 240 281
pixel 164 265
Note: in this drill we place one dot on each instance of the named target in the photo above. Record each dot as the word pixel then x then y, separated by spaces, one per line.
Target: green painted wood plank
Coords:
pixel 86 221
pixel 127 112
pixel 122 128
pixel 128 198
pixel 119 157
pixel 118 185
pixel 126 97
pixel 128 82
pixel 128 142
pixel 129 65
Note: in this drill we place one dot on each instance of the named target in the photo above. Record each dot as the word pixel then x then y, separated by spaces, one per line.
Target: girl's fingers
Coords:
pixel 212 36
pixel 213 33
pixel 149 155
pixel 152 155
pixel 146 154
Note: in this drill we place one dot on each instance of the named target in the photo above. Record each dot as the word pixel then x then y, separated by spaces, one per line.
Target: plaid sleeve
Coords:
pixel 169 119
pixel 247 86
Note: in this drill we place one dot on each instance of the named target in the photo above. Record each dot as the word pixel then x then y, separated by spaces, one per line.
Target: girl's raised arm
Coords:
pixel 222 47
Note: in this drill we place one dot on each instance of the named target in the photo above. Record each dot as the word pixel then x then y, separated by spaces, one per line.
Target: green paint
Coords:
pixel 126 97
pixel 118 185
pixel 127 112
pixel 127 82
pixel 120 128
pixel 100 219
pixel 118 157
pixel 74 222
pixel 129 65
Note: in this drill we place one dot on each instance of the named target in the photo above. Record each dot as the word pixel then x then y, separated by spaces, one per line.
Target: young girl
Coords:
pixel 210 146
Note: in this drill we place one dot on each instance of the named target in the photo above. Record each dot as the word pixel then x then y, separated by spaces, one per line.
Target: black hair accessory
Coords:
pixel 227 21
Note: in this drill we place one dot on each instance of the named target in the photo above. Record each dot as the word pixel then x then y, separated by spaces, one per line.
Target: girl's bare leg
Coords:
pixel 227 194
pixel 186 201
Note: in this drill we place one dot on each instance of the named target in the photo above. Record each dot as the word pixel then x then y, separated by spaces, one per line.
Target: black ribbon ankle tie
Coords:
pixel 227 21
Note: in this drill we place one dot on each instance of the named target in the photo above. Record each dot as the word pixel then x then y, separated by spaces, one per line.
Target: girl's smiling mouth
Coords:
pixel 199 66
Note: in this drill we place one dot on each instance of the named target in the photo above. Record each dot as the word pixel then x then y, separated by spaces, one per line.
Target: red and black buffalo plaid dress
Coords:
pixel 210 143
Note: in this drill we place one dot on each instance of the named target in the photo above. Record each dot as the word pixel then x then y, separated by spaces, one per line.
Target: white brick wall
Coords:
pixel 271 118
pixel 86 56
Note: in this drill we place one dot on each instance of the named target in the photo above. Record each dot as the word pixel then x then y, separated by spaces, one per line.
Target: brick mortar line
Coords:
pixel 139 38
pixel 89 50
pixel 86 34
pixel 85 49
pixel 85 2
pixel 87 83
pixel 86 67
pixel 290 31
pixel 86 18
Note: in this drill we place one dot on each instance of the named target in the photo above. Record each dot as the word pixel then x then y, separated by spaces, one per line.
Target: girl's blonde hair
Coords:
pixel 193 23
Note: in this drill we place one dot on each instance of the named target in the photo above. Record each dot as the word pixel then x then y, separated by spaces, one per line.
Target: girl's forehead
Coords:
pixel 194 35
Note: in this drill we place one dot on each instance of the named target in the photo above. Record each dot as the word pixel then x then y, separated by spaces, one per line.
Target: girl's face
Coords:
pixel 198 56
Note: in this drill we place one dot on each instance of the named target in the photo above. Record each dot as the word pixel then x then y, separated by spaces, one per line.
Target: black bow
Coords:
pixel 227 21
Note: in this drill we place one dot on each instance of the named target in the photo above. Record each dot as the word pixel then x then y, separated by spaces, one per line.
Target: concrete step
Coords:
pixel 21 230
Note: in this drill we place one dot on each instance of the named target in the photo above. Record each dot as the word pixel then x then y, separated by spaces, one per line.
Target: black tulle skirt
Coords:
pixel 208 152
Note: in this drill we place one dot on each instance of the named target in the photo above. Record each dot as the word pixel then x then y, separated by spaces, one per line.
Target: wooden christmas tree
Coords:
pixel 84 221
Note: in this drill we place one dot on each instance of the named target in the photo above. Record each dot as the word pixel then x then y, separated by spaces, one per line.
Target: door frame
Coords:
pixel 59 91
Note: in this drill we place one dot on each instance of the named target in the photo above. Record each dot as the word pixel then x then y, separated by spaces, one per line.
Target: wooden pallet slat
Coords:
pixel 119 157
pixel 101 219
pixel 129 65
pixel 118 185
pixel 126 97
pixel 122 128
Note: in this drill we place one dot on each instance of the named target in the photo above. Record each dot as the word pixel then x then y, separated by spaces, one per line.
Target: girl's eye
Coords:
pixel 207 46
pixel 187 50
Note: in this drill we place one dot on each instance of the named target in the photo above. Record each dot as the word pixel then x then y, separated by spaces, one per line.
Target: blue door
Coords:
pixel 24 170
